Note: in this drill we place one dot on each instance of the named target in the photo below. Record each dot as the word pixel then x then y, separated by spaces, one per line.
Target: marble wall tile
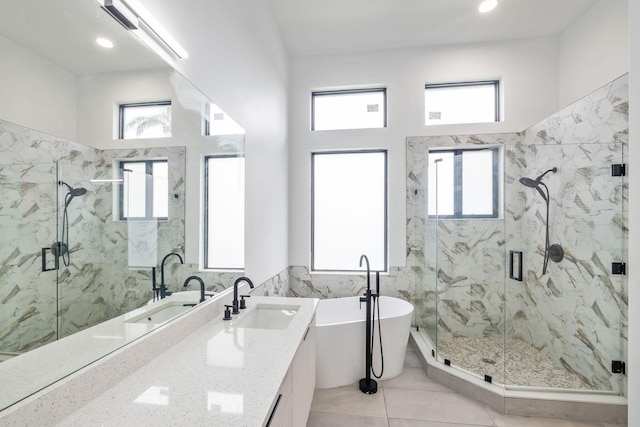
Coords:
pixel 398 283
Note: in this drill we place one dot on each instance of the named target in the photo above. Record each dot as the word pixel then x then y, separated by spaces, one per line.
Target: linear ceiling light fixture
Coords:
pixel 487 6
pixel 145 27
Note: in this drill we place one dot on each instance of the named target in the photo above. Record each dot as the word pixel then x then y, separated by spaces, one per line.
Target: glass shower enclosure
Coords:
pixel 533 295
pixel 484 300
pixel 68 263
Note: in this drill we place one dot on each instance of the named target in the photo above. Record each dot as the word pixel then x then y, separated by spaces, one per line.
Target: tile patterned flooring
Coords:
pixel 413 400
pixel 525 364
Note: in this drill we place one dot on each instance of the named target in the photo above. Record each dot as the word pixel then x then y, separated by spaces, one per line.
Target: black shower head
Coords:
pixel 78 191
pixel 73 192
pixel 535 183
pixel 528 182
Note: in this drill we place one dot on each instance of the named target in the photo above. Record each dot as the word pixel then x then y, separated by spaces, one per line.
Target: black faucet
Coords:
pixel 190 278
pixel 368 385
pixel 154 286
pixel 235 292
pixel 163 286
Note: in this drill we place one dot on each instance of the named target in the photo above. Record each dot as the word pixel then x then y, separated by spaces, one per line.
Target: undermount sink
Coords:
pixel 268 316
pixel 162 313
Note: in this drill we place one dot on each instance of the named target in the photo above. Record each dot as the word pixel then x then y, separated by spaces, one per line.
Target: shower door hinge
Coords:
pixel 488 378
pixel 618 268
pixel 447 362
pixel 619 169
pixel 618 367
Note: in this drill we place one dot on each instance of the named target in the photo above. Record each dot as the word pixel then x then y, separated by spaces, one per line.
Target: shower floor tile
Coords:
pixel 526 366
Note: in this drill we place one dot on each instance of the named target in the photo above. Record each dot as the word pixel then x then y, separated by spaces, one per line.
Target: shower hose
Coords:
pixel 373 333
pixel 64 247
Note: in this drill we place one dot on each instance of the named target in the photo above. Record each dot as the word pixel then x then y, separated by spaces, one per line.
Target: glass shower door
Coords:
pixel 564 325
pixel 469 254
pixel 77 233
pixel 27 279
pixel 421 243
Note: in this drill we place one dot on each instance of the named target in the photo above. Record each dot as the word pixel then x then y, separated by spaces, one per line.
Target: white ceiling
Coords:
pixel 311 27
pixel 64 31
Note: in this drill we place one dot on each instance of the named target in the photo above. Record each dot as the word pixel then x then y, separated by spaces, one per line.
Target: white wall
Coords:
pixel 237 59
pixel 598 37
pixel 42 94
pixel 528 70
pixel 634 220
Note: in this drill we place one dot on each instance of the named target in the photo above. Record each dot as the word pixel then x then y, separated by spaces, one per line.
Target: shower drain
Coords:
pixel 489 361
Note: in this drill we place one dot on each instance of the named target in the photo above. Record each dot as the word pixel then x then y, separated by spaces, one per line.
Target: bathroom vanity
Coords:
pixel 256 369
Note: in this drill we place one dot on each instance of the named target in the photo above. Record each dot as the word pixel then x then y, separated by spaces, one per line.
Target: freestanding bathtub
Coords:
pixel 340 346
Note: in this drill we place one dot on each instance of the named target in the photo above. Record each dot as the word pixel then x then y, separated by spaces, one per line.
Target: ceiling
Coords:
pixel 64 31
pixel 312 27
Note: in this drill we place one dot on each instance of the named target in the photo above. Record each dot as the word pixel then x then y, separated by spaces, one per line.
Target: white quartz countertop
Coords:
pixel 222 374
pixel 24 375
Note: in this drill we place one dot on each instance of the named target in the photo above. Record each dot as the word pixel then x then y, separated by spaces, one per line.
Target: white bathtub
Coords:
pixel 340 349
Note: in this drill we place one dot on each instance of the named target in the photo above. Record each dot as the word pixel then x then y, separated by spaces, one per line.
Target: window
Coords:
pixel 217 122
pixel 145 120
pixel 349 210
pixel 453 103
pixel 349 109
pixel 224 212
pixel 145 189
pixel 463 183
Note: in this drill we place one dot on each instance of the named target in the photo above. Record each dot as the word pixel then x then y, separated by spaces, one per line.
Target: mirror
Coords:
pixel 75 251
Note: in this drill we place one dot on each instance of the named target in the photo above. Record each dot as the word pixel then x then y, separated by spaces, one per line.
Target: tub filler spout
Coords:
pixel 367 384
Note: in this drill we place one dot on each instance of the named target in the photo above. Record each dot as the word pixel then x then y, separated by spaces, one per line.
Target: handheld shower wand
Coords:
pixel 62 248
pixel 539 185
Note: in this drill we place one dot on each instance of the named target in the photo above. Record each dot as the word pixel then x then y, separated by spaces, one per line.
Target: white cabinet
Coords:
pixel 304 376
pixel 281 412
pixel 293 402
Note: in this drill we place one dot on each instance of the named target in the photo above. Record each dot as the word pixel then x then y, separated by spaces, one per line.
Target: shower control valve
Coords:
pixel 362 299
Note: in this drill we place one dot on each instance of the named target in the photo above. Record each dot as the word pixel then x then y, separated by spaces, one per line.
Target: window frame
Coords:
pixel 458 189
pixel 496 86
pixel 148 190
pixel 314 94
pixel 123 107
pixel 386 209
pixel 205 221
pixel 207 119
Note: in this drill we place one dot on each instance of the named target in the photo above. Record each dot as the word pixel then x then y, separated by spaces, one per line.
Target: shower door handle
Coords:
pixel 44 261
pixel 515 265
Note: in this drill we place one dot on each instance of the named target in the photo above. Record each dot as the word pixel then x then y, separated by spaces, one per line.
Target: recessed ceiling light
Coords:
pixel 106 43
pixel 487 5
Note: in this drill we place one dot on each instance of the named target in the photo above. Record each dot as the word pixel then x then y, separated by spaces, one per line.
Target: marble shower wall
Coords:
pixel 27 296
pixel 576 313
pixel 29 199
pixel 98 284
pixel 102 285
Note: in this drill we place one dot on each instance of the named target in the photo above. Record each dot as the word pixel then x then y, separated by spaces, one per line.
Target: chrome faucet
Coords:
pixel 190 278
pixel 163 286
pixel 235 292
